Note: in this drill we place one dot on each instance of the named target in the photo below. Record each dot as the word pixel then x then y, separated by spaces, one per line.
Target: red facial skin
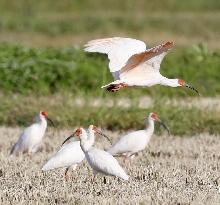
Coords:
pixel 78 132
pixel 154 116
pixel 44 113
pixel 181 82
pixel 94 128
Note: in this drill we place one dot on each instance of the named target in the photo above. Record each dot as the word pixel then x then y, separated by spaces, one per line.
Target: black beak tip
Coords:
pixel 105 136
pixel 192 88
pixel 51 121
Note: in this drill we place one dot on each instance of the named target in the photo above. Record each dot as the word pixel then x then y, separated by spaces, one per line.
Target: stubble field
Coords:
pixel 172 170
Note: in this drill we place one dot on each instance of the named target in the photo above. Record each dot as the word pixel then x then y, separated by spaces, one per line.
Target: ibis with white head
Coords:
pixel 136 141
pixel 31 138
pixel 131 64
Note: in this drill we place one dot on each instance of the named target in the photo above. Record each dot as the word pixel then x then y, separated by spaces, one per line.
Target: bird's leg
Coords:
pixel 126 158
pixel 68 172
pixel 93 178
pixel 94 175
pixel 30 153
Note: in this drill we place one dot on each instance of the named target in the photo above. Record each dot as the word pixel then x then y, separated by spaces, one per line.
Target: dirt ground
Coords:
pixel 172 170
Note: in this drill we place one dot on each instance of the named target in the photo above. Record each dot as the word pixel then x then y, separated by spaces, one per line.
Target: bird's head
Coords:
pixel 43 115
pixel 183 83
pixel 79 132
pixel 154 117
pixel 94 129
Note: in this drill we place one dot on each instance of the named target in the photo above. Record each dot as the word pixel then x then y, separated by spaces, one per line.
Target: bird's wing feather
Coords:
pixel 20 145
pixel 152 56
pixel 104 162
pixel 128 143
pixel 118 49
pixel 68 155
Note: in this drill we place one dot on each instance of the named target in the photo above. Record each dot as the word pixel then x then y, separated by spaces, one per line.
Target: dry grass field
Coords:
pixel 173 170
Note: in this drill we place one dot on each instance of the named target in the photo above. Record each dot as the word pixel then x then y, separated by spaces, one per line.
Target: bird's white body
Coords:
pixel 70 154
pixel 133 142
pixel 101 161
pixel 31 138
pixel 105 163
pixel 131 64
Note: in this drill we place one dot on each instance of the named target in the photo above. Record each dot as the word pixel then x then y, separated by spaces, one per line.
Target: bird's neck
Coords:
pixel 91 138
pixel 86 144
pixel 169 82
pixel 150 127
pixel 43 123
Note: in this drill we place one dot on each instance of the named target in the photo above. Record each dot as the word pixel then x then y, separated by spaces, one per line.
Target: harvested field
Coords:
pixel 173 170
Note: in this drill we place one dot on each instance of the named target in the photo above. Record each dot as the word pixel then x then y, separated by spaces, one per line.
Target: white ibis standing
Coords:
pixel 99 160
pixel 31 138
pixel 70 154
pixel 132 65
pixel 136 141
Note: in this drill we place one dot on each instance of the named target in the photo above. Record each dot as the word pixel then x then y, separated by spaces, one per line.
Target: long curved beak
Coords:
pixel 100 133
pixel 164 126
pixel 50 121
pixel 191 87
pixel 68 138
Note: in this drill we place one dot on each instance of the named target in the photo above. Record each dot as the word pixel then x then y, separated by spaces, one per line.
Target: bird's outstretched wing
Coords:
pixel 118 49
pixel 152 57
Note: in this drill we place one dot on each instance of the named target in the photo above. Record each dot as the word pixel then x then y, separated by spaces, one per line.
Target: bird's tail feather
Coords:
pixel 124 176
pixel 14 149
pixel 49 165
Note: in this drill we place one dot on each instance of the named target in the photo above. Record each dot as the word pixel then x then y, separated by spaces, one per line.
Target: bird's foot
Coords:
pixel 116 87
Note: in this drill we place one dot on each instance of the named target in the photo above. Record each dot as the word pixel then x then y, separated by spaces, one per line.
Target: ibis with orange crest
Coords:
pixel 31 138
pixel 136 141
pixel 99 160
pixel 132 65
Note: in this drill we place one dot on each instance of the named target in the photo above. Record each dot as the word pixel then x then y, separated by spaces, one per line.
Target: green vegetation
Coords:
pixel 47 71
pixel 29 7
pixel 66 112
pixel 98 24
pixel 31 73
pixel 77 21
pixel 67 73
